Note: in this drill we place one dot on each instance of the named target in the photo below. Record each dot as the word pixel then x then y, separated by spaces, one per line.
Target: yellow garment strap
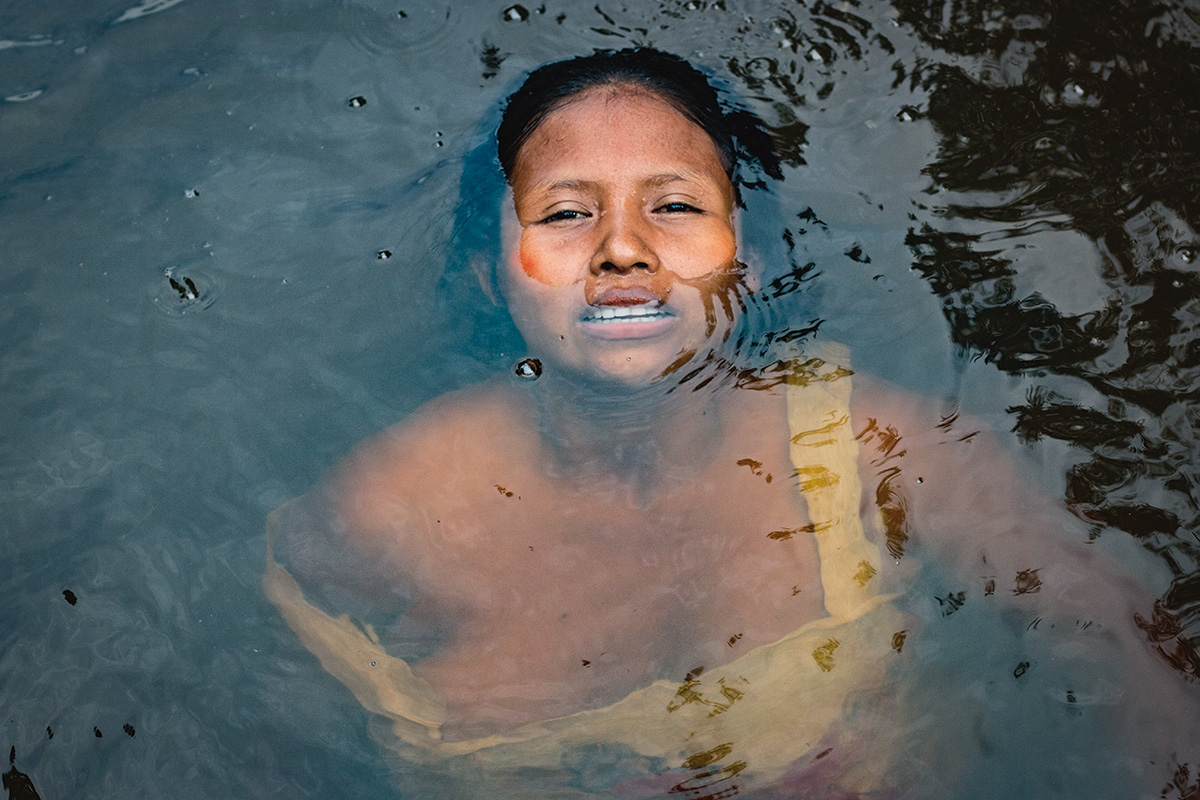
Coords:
pixel 824 452
pixel 383 684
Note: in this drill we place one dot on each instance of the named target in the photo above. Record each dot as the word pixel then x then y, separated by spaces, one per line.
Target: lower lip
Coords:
pixel 629 327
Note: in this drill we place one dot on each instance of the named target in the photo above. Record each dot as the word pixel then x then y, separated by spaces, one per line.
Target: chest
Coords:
pixel 594 593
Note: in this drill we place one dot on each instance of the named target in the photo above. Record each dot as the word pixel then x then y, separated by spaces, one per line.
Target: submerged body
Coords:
pixel 569 575
pixel 711 642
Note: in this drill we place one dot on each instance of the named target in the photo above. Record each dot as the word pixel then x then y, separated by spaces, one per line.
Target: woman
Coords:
pixel 647 572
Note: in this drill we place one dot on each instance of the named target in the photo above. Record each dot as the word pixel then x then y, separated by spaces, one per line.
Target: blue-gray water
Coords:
pixel 195 322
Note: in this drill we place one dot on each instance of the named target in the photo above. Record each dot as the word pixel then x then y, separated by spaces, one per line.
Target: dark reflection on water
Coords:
pixel 1081 116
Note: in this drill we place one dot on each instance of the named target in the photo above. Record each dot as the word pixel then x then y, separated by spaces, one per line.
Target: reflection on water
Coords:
pixel 1073 118
pixel 993 204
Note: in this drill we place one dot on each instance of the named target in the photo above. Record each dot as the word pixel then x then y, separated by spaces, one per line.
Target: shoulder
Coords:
pixel 433 453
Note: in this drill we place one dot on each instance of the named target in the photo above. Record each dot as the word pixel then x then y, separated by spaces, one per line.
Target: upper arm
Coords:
pixel 957 496
pixel 348 542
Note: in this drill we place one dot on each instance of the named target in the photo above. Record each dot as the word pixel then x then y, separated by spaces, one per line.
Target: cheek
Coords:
pixel 537 309
pixel 543 261
pixel 703 253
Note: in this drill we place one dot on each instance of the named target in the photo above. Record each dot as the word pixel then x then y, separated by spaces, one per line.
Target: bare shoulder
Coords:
pixel 387 479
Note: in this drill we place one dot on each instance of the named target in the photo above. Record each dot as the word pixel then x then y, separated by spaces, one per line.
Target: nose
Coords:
pixel 624 244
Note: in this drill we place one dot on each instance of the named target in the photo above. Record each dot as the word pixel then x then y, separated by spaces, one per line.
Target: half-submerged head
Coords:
pixel 620 239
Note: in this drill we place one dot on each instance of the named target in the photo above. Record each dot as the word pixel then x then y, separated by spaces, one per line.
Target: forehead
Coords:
pixel 609 127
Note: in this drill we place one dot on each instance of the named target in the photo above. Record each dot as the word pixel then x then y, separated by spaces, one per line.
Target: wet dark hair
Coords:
pixel 738 134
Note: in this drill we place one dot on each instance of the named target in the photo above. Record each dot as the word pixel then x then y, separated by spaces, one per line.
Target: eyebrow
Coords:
pixel 654 181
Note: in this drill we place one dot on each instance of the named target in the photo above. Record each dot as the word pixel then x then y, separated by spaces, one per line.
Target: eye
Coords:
pixel 677 207
pixel 565 215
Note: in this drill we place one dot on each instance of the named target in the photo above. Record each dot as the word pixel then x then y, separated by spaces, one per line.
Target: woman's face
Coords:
pixel 619 261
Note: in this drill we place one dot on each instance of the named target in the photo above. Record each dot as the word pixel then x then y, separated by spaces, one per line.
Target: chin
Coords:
pixel 632 371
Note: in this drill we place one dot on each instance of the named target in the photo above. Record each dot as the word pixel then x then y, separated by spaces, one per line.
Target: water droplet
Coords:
pixel 920 480
pixel 517 13
pixel 529 368
pixel 357 102
pixel 191 193
pixel 384 255
pixel 24 97
pixel 1187 254
pixel 372 663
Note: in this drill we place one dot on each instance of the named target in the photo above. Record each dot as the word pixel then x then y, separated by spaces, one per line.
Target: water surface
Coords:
pixel 998 205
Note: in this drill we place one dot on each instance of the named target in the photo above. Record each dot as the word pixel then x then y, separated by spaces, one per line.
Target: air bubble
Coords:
pixel 357 102
pixel 517 13
pixel 529 368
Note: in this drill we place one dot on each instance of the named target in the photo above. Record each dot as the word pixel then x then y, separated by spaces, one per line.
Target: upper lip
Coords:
pixel 628 297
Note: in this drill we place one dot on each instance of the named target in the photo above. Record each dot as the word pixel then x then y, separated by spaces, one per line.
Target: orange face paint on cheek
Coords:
pixel 543 267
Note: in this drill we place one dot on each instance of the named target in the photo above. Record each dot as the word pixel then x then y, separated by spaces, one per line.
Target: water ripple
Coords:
pixel 410 28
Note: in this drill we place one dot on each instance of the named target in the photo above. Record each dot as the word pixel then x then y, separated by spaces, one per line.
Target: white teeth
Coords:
pixel 625 314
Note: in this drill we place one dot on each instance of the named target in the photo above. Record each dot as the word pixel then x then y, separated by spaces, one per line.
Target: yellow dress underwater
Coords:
pixel 776 716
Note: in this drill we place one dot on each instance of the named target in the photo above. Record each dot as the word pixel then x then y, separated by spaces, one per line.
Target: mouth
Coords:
pixel 625 315
pixel 627 318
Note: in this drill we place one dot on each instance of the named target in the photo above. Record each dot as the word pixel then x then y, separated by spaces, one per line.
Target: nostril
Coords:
pixel 611 266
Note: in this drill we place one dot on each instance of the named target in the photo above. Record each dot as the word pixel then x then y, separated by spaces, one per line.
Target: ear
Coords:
pixel 485 273
pixel 747 256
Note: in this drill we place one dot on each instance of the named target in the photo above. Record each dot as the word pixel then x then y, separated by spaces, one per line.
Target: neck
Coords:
pixel 625 439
